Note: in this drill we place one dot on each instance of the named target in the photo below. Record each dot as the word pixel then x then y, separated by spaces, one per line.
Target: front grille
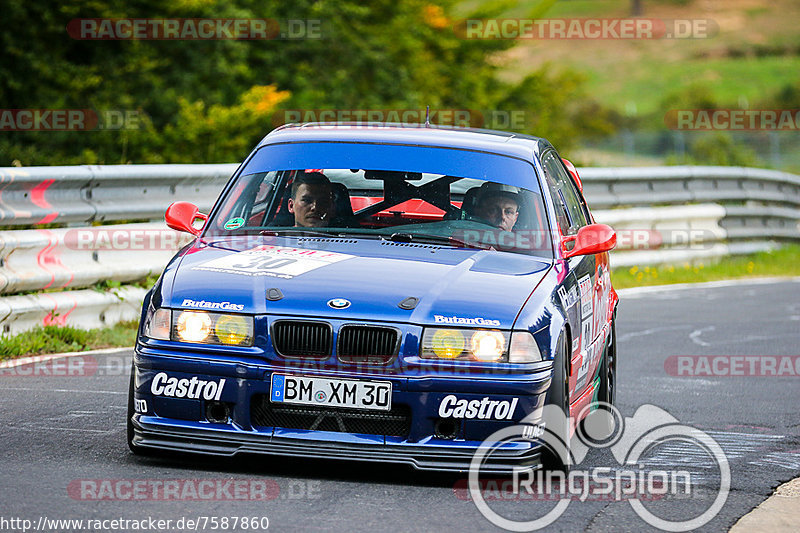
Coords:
pixel 394 423
pixel 296 338
pixel 367 344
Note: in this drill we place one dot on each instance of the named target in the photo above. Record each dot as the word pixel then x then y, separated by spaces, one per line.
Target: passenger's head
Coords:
pixel 311 202
pixel 498 204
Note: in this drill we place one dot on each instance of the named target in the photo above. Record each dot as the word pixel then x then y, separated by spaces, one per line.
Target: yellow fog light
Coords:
pixel 447 343
pixel 233 329
pixel 193 326
pixel 488 346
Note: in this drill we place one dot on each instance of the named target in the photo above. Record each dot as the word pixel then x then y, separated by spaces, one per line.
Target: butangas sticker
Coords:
pixel 274 261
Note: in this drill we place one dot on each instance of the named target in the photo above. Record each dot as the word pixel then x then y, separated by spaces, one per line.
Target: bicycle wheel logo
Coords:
pixel 631 441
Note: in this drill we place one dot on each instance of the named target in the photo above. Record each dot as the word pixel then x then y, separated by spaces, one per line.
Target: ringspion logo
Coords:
pixel 629 440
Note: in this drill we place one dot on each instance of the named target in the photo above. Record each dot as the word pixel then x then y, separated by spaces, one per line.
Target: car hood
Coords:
pixel 453 285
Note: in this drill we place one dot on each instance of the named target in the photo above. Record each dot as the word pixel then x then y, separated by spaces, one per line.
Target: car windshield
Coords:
pixel 402 206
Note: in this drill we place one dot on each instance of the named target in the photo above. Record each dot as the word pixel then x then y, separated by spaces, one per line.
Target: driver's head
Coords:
pixel 311 202
pixel 498 204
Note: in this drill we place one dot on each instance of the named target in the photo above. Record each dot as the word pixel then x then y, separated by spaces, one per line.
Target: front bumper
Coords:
pixel 181 424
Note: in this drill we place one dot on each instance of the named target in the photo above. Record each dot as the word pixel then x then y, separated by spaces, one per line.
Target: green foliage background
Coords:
pixel 211 101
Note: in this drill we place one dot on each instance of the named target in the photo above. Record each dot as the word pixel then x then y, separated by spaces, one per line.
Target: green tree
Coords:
pixel 197 100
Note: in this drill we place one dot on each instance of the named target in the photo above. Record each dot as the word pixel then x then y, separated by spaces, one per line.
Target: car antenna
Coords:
pixel 427 116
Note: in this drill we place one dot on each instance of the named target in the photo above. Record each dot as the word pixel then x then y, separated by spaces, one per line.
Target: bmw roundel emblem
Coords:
pixel 339 303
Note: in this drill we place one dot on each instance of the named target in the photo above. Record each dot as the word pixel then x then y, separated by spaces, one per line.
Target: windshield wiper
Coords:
pixel 428 238
pixel 297 231
pixel 308 232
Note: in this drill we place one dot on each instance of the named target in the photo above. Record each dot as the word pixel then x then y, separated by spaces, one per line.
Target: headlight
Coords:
pixel 234 329
pixel 483 345
pixel 487 346
pixel 157 323
pixel 523 348
pixel 445 343
pixel 199 327
pixel 193 326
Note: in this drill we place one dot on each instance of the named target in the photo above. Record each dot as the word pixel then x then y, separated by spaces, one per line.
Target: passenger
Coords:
pixel 311 202
pixel 498 204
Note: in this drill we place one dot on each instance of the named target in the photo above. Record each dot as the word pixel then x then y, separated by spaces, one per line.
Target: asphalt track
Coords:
pixel 56 430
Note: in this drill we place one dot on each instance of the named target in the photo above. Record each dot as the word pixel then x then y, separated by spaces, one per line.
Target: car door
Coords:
pixel 586 274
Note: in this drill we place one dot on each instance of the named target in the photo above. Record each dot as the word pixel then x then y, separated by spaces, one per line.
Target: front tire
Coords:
pixel 608 371
pixel 137 450
pixel 558 396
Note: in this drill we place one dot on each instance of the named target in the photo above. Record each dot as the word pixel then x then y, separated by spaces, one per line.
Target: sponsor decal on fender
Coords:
pixel 585 284
pixel 193 388
pixel 225 306
pixel 568 298
pixel 477 321
pixel 485 409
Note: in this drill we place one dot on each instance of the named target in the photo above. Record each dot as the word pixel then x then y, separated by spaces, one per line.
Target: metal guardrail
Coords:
pixel 41 195
pixel 722 210
pixel 82 308
pixel 32 260
pixel 640 186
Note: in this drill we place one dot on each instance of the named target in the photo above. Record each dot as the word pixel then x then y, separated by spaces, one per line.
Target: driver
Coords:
pixel 312 200
pixel 498 204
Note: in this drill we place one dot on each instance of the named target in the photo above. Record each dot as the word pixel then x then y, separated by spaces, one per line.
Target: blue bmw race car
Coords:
pixel 382 293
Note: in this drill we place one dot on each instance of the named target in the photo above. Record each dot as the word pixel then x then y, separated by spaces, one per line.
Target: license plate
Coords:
pixel 375 395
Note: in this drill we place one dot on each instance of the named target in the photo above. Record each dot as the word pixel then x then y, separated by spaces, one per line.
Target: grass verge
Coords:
pixel 56 339
pixel 784 261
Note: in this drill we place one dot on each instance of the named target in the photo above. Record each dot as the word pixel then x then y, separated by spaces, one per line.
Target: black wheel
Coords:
pixel 608 370
pixel 558 395
pixel 138 450
pixel 135 449
pixel 596 427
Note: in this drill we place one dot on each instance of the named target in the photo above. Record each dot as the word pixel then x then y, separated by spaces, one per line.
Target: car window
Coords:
pixel 570 211
pixel 387 204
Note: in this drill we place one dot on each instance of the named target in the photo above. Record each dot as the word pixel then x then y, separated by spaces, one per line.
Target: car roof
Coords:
pixel 498 142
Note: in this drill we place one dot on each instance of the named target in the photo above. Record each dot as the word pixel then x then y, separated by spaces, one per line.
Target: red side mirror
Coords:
pixel 574 173
pixel 181 215
pixel 591 239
